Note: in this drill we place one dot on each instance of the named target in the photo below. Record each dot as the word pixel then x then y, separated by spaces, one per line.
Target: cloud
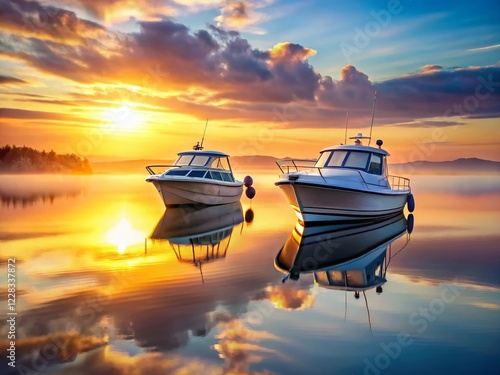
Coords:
pixel 291 296
pixel 431 68
pixel 239 347
pixel 217 73
pixel 8 80
pixel 55 348
pixel 242 15
pixel 482 49
pixel 428 123
pixel 23 94
pixel 24 114
pixel 486 305
pixel 29 18
pixel 117 363
pixel 112 11
pixel 462 92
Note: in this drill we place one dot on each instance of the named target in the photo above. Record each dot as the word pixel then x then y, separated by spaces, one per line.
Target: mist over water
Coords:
pixel 97 295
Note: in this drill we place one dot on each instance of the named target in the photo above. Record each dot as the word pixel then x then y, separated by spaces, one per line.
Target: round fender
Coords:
pixel 410 223
pixel 410 201
pixel 250 192
pixel 248 181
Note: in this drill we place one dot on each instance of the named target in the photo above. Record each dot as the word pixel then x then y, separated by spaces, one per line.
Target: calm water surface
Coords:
pixel 108 282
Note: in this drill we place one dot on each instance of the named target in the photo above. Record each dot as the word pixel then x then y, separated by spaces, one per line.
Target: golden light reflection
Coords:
pixel 123 235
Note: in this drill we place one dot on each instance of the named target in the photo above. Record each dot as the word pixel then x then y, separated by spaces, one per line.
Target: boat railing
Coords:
pixel 296 165
pixel 149 168
pixel 165 166
pixel 398 183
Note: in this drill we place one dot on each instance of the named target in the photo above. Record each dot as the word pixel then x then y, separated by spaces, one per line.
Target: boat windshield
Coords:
pixel 184 160
pixel 209 161
pixel 194 160
pixel 219 163
pixel 200 160
pixel 366 161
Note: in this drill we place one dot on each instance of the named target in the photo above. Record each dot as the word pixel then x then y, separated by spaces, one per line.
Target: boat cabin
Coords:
pixel 202 164
pixel 357 276
pixel 364 158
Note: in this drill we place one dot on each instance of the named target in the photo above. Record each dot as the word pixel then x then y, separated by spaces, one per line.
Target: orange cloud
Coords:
pixel 110 11
pixel 58 347
pixel 169 72
pixel 29 18
pixel 290 52
pixel 290 297
pixel 242 15
pixel 236 350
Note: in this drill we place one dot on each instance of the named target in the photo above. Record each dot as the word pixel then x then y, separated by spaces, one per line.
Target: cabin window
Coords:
pixel 220 163
pixel 322 278
pixel 184 160
pixel 216 175
pixel 322 159
pixel 375 165
pixel 337 159
pixel 357 160
pixel 200 160
pixel 227 177
pixel 177 172
pixel 196 173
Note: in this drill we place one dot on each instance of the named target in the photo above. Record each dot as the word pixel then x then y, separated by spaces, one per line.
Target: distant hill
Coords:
pixel 238 163
pixel 126 166
pixel 241 164
pixel 256 162
pixel 469 166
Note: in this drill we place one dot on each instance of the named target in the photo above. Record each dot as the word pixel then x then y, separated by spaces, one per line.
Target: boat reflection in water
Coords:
pixel 348 257
pixel 198 234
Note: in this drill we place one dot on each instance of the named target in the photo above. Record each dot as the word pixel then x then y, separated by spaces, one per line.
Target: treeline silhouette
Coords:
pixel 28 160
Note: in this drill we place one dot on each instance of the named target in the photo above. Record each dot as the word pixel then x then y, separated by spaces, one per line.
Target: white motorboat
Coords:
pixel 346 257
pixel 198 235
pixel 346 183
pixel 197 177
pixel 197 225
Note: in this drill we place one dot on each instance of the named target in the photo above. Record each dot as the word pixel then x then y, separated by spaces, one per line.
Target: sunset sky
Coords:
pixel 116 80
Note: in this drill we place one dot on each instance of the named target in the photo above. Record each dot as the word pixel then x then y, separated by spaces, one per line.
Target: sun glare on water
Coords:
pixel 123 235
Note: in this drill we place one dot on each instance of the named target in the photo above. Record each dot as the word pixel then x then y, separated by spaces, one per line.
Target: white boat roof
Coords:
pixel 203 152
pixel 356 147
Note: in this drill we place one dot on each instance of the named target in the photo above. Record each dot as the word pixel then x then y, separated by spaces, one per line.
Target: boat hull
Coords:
pixel 195 221
pixel 321 203
pixel 311 249
pixel 181 192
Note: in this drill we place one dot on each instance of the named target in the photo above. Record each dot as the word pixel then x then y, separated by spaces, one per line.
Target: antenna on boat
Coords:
pixel 206 124
pixel 368 310
pixel 346 122
pixel 373 116
pixel 197 146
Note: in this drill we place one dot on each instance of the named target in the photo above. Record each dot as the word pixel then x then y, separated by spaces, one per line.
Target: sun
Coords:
pixel 123 118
